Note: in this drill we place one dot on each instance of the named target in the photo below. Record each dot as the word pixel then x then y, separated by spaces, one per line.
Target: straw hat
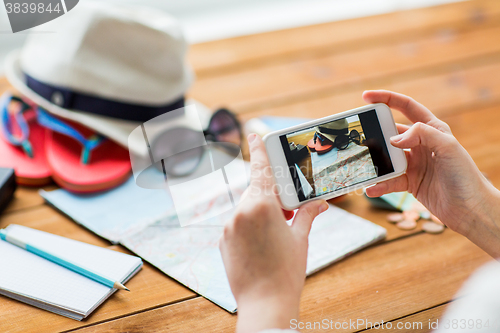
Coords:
pixel 109 67
pixel 332 129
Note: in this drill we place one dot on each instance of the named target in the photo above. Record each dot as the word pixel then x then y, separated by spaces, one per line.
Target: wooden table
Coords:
pixel 447 57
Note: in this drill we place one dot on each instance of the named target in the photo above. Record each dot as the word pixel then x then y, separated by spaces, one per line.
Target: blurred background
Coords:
pixel 207 20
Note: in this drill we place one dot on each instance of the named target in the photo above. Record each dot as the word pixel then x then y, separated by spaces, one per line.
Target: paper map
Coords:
pixel 341 168
pixel 145 222
pixel 191 254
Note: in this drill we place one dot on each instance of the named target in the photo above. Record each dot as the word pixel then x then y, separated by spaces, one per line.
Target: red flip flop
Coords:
pixel 321 144
pixel 22 142
pixel 81 161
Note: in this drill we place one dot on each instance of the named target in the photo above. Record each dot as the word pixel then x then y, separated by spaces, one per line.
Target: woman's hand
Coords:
pixel 441 174
pixel 265 259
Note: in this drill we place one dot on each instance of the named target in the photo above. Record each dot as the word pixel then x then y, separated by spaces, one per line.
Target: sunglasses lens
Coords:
pixel 354 135
pixel 342 141
pixel 181 150
pixel 225 127
pixel 183 163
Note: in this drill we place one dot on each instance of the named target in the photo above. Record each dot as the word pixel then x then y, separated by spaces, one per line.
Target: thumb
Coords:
pixel 420 134
pixel 305 216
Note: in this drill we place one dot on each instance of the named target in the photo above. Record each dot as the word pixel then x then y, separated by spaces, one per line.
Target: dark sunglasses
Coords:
pixel 224 129
pixel 341 140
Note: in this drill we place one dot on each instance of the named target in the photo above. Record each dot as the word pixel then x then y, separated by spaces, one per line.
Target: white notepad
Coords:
pixel 39 282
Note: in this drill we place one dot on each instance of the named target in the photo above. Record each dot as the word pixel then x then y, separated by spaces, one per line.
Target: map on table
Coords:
pixel 337 169
pixel 146 222
pixel 112 214
pixel 191 254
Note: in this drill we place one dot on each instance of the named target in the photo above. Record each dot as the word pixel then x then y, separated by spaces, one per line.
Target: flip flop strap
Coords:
pixel 6 121
pixel 322 140
pixel 57 125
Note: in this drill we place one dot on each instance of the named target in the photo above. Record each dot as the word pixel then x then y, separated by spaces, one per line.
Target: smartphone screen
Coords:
pixel 336 154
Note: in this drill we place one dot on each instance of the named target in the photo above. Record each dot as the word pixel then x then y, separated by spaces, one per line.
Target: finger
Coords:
pixel 397 184
pixel 305 216
pixel 421 134
pixel 402 128
pixel 288 214
pixel 413 110
pixel 261 175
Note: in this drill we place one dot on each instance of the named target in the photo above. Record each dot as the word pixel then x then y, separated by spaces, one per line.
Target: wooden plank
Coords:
pixel 392 280
pixel 357 204
pixel 297 80
pixel 458 89
pixel 480 140
pixel 196 315
pixel 46 219
pixel 216 57
pixel 150 288
pixel 422 321
pixel 386 282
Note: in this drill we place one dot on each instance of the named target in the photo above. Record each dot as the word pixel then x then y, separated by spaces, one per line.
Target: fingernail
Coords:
pixel 323 207
pixel 251 137
pixel 397 138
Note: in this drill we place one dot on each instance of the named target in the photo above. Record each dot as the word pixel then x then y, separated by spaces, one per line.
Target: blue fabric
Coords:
pixel 73 100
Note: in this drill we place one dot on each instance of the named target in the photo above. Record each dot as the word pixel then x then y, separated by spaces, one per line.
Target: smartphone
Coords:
pixel 331 156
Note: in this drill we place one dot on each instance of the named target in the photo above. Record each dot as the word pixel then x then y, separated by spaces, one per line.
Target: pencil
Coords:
pixel 62 262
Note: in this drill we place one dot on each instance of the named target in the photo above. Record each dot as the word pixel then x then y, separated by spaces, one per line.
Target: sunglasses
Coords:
pixel 342 141
pixel 223 132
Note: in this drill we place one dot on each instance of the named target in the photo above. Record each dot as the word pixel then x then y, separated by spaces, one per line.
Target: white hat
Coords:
pixel 334 128
pixel 108 67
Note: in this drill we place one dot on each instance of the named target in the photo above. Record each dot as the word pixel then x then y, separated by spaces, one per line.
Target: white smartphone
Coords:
pixel 331 156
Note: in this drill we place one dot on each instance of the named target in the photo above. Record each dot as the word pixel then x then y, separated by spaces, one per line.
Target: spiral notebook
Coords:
pixel 34 280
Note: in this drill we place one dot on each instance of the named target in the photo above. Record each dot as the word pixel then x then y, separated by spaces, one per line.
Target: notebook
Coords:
pixel 34 280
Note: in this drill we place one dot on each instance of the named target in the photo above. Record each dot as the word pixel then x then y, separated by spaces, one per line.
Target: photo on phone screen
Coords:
pixel 336 154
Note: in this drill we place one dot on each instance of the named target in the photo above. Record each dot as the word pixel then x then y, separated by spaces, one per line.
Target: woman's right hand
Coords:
pixel 441 174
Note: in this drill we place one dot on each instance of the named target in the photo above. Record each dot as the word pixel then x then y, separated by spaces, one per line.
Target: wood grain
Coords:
pixel 423 321
pixel 482 142
pixel 196 315
pixel 299 79
pixel 46 219
pixel 392 279
pixel 385 283
pixel 214 58
pixel 451 90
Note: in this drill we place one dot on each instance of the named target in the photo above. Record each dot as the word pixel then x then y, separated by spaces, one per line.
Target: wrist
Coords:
pixel 483 226
pixel 272 311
